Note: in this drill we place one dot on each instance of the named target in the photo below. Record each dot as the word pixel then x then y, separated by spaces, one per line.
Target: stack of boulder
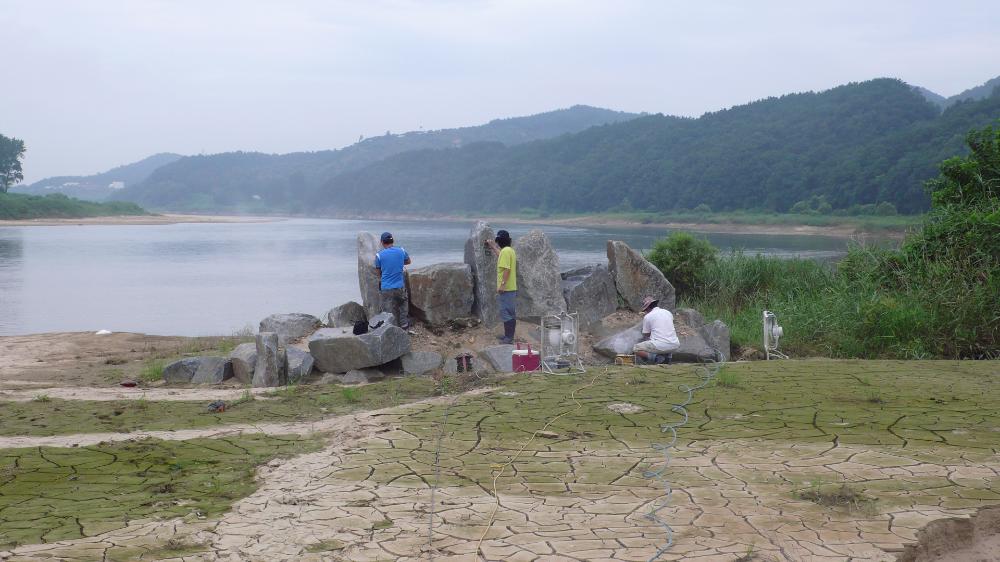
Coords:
pixel 456 294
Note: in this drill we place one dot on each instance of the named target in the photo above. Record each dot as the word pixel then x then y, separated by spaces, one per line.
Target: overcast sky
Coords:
pixel 94 84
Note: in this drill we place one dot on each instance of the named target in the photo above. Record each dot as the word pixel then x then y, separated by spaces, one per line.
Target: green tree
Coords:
pixel 11 152
pixel 683 259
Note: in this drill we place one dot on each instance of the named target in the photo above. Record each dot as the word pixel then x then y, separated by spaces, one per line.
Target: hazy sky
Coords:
pixel 93 84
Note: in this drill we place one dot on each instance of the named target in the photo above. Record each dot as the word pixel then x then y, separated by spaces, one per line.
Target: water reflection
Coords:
pixel 11 278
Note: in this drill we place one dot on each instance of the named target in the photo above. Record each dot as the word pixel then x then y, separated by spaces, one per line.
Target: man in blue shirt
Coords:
pixel 389 266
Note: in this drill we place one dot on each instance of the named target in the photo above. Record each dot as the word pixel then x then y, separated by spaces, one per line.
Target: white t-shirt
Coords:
pixel 659 324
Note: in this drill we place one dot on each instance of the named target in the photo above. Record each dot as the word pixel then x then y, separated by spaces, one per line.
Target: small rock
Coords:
pixel 361 376
pixel 212 370
pixel 421 362
pixel 298 364
pixel 624 408
pixel 244 359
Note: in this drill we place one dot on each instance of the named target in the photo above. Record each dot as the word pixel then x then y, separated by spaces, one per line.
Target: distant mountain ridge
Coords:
pixel 99 187
pixel 980 92
pixel 256 182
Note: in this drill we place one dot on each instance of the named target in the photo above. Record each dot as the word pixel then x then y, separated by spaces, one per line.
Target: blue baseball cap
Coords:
pixel 386 237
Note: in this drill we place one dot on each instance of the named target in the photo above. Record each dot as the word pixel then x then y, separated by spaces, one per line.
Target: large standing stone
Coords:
pixel 212 370
pixel 290 327
pixel 716 336
pixel 298 364
pixel 689 317
pixel 337 350
pixel 635 278
pixel 243 359
pixel 590 292
pixel 441 292
pixel 181 371
pixel 621 342
pixel 499 357
pixel 420 362
pixel 539 285
pixel 483 266
pixel 270 363
pixel 368 280
pixel 346 315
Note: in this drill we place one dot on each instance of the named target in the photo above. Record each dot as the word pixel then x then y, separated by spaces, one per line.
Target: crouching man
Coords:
pixel 659 338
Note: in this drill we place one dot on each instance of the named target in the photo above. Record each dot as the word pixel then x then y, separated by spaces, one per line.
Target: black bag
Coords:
pixel 360 327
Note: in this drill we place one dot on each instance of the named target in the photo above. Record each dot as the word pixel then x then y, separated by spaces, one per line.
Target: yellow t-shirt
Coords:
pixel 507 260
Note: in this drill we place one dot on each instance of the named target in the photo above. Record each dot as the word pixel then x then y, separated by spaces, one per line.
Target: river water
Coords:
pixel 216 278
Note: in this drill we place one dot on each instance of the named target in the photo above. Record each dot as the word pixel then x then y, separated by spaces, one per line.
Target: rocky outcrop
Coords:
pixel 693 349
pixel 368 281
pixel 483 266
pixel 269 370
pixel 498 357
pixel 421 362
pixel 539 285
pixel 181 371
pixel 635 278
pixel 298 364
pixel 689 317
pixel 212 370
pixel 290 327
pixel 346 315
pixel 590 292
pixel 337 350
pixel 243 360
pixel 441 292
pixel 716 336
pixel 619 343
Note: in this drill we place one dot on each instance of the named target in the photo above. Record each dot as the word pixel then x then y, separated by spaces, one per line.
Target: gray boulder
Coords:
pixel 298 364
pixel 635 278
pixel 716 336
pixel 693 349
pixel 337 350
pixel 483 266
pixel 539 285
pixel 689 317
pixel 290 327
pixel 269 370
pixel 212 370
pixel 498 357
pixel 621 342
pixel 590 292
pixel 368 280
pixel 441 292
pixel 181 371
pixel 421 362
pixel 346 315
pixel 386 318
pixel 244 359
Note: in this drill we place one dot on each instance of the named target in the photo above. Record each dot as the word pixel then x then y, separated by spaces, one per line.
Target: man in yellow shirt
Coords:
pixel 506 283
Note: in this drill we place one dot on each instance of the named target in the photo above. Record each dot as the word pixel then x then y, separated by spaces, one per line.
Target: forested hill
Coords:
pixel 256 182
pixel 99 187
pixel 852 145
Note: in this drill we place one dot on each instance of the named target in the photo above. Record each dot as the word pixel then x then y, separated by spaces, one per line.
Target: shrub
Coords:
pixel 683 259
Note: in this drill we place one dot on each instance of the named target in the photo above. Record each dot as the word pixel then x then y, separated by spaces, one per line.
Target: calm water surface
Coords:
pixel 207 279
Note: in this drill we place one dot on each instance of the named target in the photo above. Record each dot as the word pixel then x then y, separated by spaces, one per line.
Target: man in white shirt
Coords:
pixel 659 335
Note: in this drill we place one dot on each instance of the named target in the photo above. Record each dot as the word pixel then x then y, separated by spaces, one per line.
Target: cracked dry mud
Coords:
pixel 922 438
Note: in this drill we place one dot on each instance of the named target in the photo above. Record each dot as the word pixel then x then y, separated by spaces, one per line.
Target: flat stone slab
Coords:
pixel 337 350
pixel 421 362
pixel 499 357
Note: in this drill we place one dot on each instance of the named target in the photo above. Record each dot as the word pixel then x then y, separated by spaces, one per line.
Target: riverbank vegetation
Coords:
pixel 16 206
pixel 938 295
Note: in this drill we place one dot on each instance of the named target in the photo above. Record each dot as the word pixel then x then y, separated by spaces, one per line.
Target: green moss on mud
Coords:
pixel 49 494
pixel 295 403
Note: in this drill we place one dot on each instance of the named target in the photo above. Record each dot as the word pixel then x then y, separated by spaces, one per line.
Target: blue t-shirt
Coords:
pixel 390 261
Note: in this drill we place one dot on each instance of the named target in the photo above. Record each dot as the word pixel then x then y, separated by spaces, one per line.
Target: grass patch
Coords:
pixel 293 403
pixel 842 496
pixel 19 206
pixel 325 546
pixel 152 370
pixel 383 524
pixel 41 398
pixel 68 493
pixel 728 378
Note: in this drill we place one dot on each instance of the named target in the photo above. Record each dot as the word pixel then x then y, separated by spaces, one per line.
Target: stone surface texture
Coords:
pixel 441 292
pixel 368 280
pixel 590 292
pixel 339 351
pixel 421 362
pixel 539 284
pixel 636 278
pixel 483 266
pixel 620 342
pixel 269 370
pixel 181 371
pixel 298 364
pixel 290 327
pixel 716 336
pixel 212 370
pixel 689 317
pixel 345 315
pixel 361 376
pixel 498 357
pixel 244 359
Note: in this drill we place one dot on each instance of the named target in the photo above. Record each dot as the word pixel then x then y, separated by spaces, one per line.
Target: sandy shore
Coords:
pixel 144 219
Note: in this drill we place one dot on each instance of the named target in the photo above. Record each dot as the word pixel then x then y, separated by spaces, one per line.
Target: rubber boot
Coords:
pixel 508 331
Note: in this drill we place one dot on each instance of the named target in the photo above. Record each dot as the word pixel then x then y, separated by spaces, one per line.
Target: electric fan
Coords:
pixel 772 332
